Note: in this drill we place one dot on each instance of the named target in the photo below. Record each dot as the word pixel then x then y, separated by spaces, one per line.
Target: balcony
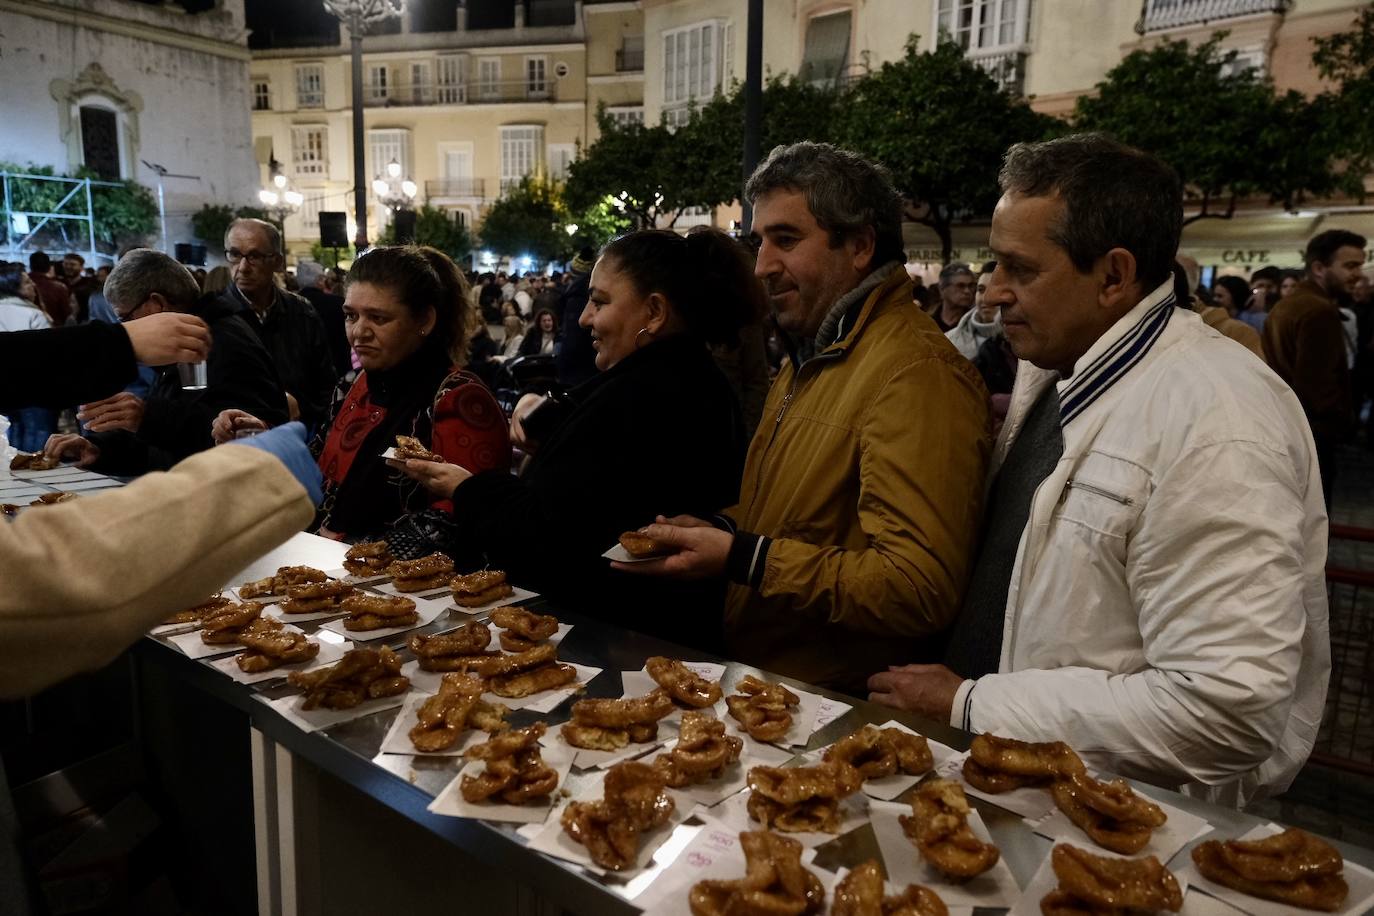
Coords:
pixel 459 94
pixel 1007 67
pixel 629 60
pixel 455 187
pixel 1172 14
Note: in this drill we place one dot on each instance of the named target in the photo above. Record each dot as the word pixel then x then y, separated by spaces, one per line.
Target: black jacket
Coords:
pixel 330 309
pixel 659 433
pixel 295 337
pixel 59 367
pixel 576 359
pixel 176 423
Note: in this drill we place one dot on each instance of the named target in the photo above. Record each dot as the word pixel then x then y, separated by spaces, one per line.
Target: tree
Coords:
pixel 528 220
pixel 211 221
pixel 940 124
pixel 123 211
pixel 1217 124
pixel 631 163
pixel 1347 59
pixel 438 229
pixel 597 225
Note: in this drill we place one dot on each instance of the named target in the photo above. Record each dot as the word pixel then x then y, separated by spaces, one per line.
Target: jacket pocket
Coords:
pixel 1105 495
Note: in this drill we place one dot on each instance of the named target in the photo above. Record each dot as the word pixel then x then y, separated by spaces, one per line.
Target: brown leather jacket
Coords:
pixel 1305 345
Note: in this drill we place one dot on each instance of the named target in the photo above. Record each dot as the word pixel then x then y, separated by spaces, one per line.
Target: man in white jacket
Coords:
pixel 1150 586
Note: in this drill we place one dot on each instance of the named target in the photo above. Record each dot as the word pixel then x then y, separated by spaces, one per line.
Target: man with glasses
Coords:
pixel 286 323
pixel 133 435
pixel 957 287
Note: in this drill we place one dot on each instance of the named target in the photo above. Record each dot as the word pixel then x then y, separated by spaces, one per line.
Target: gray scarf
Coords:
pixel 831 327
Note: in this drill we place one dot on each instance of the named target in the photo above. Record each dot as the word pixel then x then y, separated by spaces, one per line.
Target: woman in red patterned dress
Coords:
pixel 408 319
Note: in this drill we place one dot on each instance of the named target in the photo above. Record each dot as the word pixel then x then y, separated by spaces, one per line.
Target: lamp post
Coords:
pixel 280 200
pixel 359 16
pixel 393 191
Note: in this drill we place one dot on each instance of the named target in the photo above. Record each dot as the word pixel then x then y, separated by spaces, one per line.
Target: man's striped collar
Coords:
pixel 1093 380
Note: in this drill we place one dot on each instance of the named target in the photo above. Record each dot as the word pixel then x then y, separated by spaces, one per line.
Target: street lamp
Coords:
pixel 359 16
pixel 280 200
pixel 394 192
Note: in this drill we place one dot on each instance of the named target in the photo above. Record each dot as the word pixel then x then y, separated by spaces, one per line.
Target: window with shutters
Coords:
pixel 690 63
pixel 385 146
pixel 627 114
pixel 983 25
pixel 520 148
pixel 489 77
pixel 421 90
pixel 309 149
pixel 377 79
pixel 536 82
pixel 560 157
pixel 310 86
pixel 827 48
pixel 453 80
pixel 262 95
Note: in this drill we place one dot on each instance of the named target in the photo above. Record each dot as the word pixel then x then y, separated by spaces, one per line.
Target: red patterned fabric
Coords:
pixel 356 418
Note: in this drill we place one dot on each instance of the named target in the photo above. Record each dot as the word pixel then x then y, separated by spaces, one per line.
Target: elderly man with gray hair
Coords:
pixel 852 538
pixel 133 435
pixel 957 287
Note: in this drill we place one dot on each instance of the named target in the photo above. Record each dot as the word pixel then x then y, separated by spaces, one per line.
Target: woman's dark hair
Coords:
pixel 706 276
pixel 422 278
pixel 11 279
pixel 1238 288
pixel 557 331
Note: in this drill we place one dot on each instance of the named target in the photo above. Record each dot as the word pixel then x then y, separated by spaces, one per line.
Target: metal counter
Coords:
pixel 349 753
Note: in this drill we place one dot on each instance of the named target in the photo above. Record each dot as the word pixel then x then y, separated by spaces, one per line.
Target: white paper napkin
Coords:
pixel 995 887
pixel 1359 878
pixel 389 588
pixel 621 555
pixel 450 799
pixel 517 595
pixel 1033 804
pixel 329 654
pixel 1045 881
pixel 829 710
pixel 397 740
pixel 275 611
pixel 713 854
pixel 638 683
pixel 803 721
pixel 349 578
pixel 495 642
pixel 429 681
pixel 554 840
pixel 736 775
pixel 311 720
pixel 428 612
pixel 82 485
pixel 889 787
pixel 194 647
pixel 1178 831
pixel 734 812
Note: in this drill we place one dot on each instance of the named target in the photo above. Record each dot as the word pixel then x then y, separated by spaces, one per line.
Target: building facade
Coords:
pixel 465 104
pixel 127 89
pixel 1051 51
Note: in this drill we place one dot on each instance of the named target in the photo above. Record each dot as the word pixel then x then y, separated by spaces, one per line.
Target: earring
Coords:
pixel 642 331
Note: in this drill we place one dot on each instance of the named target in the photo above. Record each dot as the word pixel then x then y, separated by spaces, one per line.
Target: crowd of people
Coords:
pixel 1071 501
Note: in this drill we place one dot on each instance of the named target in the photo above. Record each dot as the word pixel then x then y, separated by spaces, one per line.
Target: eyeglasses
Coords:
pixel 233 255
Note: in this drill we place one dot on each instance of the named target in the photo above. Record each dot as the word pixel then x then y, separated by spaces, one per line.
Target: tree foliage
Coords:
pixel 211 221
pixel 597 225
pixel 1347 60
pixel 124 212
pixel 941 124
pixel 1195 109
pixel 438 229
pixel 528 220
pixel 632 163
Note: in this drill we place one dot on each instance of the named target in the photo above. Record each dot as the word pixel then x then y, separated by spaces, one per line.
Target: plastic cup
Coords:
pixel 193 376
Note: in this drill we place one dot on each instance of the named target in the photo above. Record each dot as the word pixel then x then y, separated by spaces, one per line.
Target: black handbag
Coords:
pixel 419 534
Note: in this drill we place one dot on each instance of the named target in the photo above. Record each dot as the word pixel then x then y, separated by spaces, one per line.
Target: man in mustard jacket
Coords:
pixel 860 501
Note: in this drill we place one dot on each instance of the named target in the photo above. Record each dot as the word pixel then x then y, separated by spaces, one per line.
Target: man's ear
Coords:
pixel 865 244
pixel 159 303
pixel 1119 283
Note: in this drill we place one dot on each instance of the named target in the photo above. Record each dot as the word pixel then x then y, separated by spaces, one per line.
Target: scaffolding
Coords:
pixel 19 226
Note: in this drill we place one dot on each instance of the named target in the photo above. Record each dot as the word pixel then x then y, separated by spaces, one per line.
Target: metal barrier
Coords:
pixel 1346 739
pixel 19 226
